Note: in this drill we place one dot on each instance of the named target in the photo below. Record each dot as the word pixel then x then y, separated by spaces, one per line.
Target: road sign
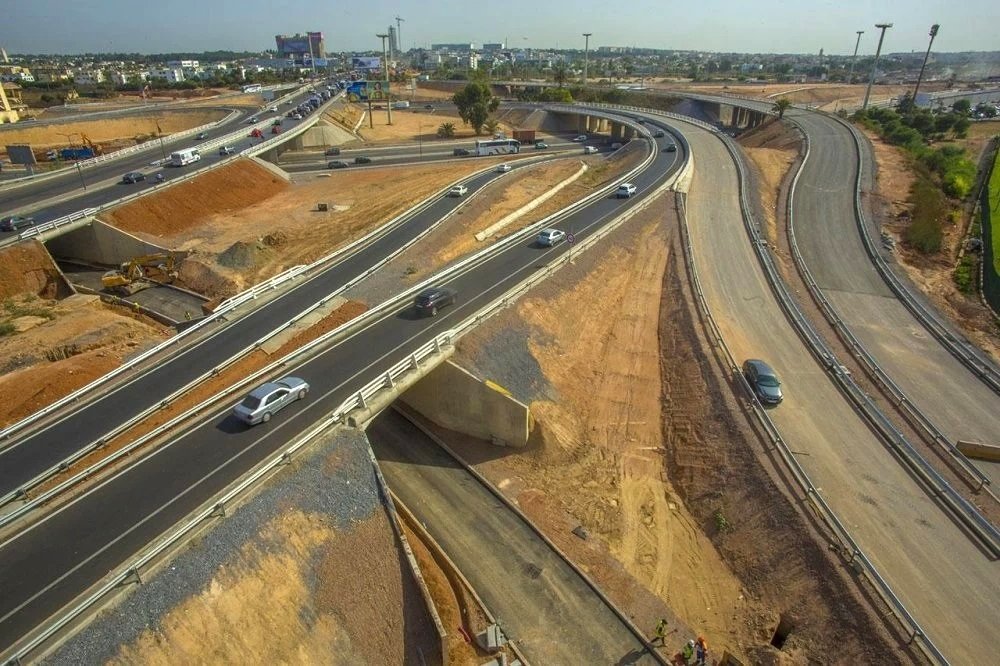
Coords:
pixel 570 238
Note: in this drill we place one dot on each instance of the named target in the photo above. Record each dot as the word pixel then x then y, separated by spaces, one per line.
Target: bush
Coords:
pixel 966 273
pixel 930 209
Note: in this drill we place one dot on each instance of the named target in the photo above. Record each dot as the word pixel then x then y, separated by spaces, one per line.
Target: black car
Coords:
pixel 202 135
pixel 429 301
pixel 332 151
pixel 658 134
pixel 429 107
pixel 133 177
pixel 460 152
pixel 15 222
pixel 763 380
pixel 672 148
pixel 337 164
pixel 361 159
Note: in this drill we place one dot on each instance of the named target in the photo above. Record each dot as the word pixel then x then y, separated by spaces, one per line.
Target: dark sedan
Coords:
pixel 133 177
pixel 429 301
pixel 763 381
pixel 15 222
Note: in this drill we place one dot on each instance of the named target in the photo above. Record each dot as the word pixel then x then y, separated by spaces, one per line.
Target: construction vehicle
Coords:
pixel 140 273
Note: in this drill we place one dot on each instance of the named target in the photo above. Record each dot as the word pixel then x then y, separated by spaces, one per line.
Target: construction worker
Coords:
pixel 687 652
pixel 700 651
pixel 661 631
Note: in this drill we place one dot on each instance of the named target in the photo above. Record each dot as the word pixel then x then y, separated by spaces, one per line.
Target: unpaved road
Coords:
pixel 945 581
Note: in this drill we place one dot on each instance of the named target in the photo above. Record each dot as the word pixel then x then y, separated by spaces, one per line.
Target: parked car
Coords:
pixel 659 134
pixel 202 135
pixel 541 145
pixel 672 148
pixel 15 222
pixel 337 164
pixel 226 150
pixel 589 150
pixel 580 138
pixel 458 191
pixel 763 381
pixel 361 159
pixel 550 237
pixel 332 151
pixel 133 177
pixel 429 301
pixel 267 399
pixel 503 168
pixel 460 152
pixel 625 190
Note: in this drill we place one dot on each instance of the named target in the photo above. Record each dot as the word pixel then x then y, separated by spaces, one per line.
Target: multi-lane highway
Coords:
pixel 104 526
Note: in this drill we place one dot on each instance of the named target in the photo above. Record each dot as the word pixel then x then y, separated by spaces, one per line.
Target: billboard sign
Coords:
pixel 366 62
pixel 363 91
pixel 321 62
pixel 21 154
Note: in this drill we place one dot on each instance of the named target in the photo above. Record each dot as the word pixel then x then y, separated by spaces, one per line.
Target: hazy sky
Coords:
pixel 777 26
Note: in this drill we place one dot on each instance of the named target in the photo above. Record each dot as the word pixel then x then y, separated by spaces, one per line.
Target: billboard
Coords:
pixel 366 62
pixel 20 154
pixel 363 91
pixel 321 62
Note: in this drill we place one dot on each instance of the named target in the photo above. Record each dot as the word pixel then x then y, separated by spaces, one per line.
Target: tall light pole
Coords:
pixel 385 62
pixel 586 54
pixel 399 34
pixel 878 51
pixel 933 34
pixel 850 78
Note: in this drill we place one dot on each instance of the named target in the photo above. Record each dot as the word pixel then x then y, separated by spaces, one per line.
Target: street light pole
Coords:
pixel 385 62
pixel 878 51
pixel 933 33
pixel 586 55
pixel 850 78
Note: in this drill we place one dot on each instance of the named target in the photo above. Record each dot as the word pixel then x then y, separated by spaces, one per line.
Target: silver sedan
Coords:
pixel 267 399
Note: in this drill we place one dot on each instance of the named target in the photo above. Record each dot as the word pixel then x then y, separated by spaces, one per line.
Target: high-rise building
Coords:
pixel 300 48
pixel 393 43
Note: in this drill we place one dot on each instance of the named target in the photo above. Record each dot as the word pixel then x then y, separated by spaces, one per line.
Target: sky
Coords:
pixel 757 26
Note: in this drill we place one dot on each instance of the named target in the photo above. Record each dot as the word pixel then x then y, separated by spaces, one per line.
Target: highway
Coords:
pixel 539 599
pixel 54 560
pixel 936 382
pixel 938 572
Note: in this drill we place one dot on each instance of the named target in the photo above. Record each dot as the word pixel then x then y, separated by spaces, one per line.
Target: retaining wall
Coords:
pixel 100 243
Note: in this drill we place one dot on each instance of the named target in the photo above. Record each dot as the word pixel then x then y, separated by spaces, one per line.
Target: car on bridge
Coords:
pixel 267 399
pixel 15 222
pixel 460 152
pixel 658 134
pixel 226 150
pixel 133 177
pixel 580 138
pixel 672 148
pixel 458 191
pixel 763 381
pixel 429 301
pixel 625 190
pixel 337 164
pixel 202 136
pixel 550 237
pixel 589 150
pixel 251 120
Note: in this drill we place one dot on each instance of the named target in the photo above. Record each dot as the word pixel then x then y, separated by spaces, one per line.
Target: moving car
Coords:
pixel 503 168
pixel 337 164
pixel 763 381
pixel 267 399
pixel 133 177
pixel 541 145
pixel 460 152
pixel 672 148
pixel 296 116
pixel 580 138
pixel 15 222
pixel 429 107
pixel 273 109
pixel 625 190
pixel 202 135
pixel 458 191
pixel 589 150
pixel 429 301
pixel 658 134
pixel 332 151
pixel 550 237
pixel 361 159
pixel 252 119
pixel 226 150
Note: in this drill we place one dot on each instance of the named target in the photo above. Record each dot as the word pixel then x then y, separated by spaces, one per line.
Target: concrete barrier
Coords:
pixel 100 243
pixel 458 400
pixel 979 450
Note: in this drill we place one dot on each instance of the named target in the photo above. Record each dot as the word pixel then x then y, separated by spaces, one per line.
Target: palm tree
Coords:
pixel 446 130
pixel 781 105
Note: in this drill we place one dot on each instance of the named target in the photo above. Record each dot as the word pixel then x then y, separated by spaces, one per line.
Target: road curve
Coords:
pixel 945 581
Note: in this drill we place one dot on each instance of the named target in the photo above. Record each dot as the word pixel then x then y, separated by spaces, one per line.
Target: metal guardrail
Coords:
pixel 988 373
pixel 861 353
pixel 58 222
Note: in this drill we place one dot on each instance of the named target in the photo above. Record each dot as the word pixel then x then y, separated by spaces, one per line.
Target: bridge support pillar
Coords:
pixel 616 131
pixel 629 133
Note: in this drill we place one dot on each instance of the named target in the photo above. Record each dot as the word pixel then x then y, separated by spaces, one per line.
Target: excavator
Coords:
pixel 90 144
pixel 140 273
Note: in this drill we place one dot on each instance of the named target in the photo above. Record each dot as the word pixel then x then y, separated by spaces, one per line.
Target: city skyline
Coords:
pixel 774 26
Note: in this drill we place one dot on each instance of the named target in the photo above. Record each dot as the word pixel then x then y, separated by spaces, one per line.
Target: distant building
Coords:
pixel 89 77
pixel 494 47
pixel 119 78
pixel 468 46
pixel 52 74
pixel 15 73
pixel 470 61
pixel 183 64
pixel 172 75
pixel 393 43
pixel 300 48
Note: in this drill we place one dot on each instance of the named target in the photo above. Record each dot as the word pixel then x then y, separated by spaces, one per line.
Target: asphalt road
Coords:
pixel 44 567
pixel 539 600
pixel 948 584
pixel 936 382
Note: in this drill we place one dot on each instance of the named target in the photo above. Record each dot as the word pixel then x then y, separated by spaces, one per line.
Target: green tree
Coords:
pixel 781 105
pixel 491 125
pixel 446 130
pixel 475 103
pixel 962 106
pixel 562 95
pixel 961 127
pixel 560 74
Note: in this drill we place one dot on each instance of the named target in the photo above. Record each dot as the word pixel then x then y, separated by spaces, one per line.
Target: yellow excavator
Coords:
pixel 140 273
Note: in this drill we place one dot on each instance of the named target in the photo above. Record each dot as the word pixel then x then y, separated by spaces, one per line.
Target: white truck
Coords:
pixel 186 156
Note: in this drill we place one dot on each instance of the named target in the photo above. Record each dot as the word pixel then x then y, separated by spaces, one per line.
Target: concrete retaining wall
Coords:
pixel 100 243
pixel 456 399
pixel 323 135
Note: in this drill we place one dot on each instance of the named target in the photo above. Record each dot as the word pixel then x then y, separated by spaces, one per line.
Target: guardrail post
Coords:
pixel 913 636
pixel 220 510
pixel 135 572
pixel 388 380
pixel 361 400
pixel 414 361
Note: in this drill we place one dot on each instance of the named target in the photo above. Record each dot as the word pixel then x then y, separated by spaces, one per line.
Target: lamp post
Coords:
pixel 586 55
pixel 850 77
pixel 385 63
pixel 878 51
pixel 933 33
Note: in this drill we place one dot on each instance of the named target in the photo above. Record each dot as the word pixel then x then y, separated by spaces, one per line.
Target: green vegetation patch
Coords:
pixel 994 200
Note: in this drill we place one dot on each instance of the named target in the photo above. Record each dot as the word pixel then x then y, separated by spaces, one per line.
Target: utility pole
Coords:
pixel 586 54
pixel 933 33
pixel 878 52
pixel 399 34
pixel 850 78
pixel 385 62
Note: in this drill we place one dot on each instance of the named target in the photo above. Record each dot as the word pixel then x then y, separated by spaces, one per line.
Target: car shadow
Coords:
pixel 231 425
pixel 411 314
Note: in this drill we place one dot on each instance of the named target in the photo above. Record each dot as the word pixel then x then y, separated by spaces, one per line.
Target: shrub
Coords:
pixel 929 211
pixel 966 273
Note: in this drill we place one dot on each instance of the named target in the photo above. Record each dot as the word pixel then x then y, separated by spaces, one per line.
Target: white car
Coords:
pixel 625 190
pixel 458 191
pixel 550 237
pixel 580 138
pixel 251 120
pixel 273 109
pixel 503 168
pixel 589 150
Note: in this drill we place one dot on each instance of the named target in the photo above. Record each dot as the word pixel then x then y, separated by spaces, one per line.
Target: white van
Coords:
pixel 186 156
pixel 401 104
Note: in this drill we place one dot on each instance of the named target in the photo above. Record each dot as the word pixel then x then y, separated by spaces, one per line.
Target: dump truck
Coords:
pixel 524 136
